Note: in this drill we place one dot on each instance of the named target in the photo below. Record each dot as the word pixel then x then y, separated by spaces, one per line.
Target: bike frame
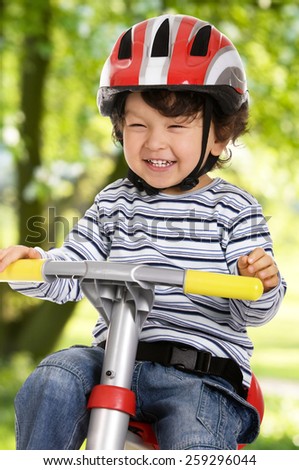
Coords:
pixel 123 294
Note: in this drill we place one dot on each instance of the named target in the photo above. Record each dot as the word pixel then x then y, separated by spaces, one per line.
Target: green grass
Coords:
pixel 13 373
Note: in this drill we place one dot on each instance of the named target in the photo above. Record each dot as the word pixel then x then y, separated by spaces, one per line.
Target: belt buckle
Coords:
pixel 190 359
pixel 203 362
pixel 183 358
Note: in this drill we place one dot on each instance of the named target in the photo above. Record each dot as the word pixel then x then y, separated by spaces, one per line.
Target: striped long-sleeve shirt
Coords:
pixel 207 229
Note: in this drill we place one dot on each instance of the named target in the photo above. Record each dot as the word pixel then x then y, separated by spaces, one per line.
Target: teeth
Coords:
pixel 160 163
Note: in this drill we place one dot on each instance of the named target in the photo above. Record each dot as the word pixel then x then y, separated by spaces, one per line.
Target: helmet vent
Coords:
pixel 125 47
pixel 201 42
pixel 161 42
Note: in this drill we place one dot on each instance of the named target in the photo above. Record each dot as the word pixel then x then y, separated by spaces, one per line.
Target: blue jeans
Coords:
pixel 186 411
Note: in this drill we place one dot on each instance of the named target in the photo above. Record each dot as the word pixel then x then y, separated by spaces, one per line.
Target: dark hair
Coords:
pixel 188 104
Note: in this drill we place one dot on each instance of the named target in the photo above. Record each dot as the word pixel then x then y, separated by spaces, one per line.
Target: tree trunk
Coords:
pixel 38 328
pixel 36 57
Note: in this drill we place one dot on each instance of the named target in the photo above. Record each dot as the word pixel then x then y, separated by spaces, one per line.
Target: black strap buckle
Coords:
pixel 190 359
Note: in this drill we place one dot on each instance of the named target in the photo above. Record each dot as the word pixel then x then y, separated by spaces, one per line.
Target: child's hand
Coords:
pixel 13 253
pixel 259 264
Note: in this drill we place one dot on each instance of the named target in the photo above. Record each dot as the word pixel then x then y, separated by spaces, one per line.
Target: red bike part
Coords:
pixel 113 398
pixel 145 431
pixel 255 398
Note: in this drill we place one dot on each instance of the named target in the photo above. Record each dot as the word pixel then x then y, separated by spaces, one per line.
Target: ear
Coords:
pixel 217 147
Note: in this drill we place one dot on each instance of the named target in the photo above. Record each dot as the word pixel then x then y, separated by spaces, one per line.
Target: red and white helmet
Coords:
pixel 174 52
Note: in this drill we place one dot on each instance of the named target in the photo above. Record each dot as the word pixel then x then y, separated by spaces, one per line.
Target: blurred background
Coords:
pixel 56 153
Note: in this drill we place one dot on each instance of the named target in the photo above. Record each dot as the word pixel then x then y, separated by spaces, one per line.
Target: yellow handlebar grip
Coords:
pixel 24 270
pixel 222 285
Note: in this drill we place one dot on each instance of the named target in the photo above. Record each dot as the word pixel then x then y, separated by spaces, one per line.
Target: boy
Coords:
pixel 175 90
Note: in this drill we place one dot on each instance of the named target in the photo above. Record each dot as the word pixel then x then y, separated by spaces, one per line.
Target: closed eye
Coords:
pixel 136 124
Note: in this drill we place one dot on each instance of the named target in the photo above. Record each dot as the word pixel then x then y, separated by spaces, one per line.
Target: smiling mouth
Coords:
pixel 160 163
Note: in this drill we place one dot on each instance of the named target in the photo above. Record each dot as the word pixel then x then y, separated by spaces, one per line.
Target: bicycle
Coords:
pixel 123 294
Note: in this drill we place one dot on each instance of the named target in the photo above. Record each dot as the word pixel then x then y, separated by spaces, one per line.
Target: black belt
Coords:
pixel 189 359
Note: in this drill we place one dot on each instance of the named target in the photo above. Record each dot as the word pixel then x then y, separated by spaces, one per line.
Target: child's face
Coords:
pixel 163 150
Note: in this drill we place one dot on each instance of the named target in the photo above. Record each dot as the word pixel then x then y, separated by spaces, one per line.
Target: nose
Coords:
pixel 155 139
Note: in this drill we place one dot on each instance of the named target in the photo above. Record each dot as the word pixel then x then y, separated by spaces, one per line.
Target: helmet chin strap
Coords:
pixel 193 178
